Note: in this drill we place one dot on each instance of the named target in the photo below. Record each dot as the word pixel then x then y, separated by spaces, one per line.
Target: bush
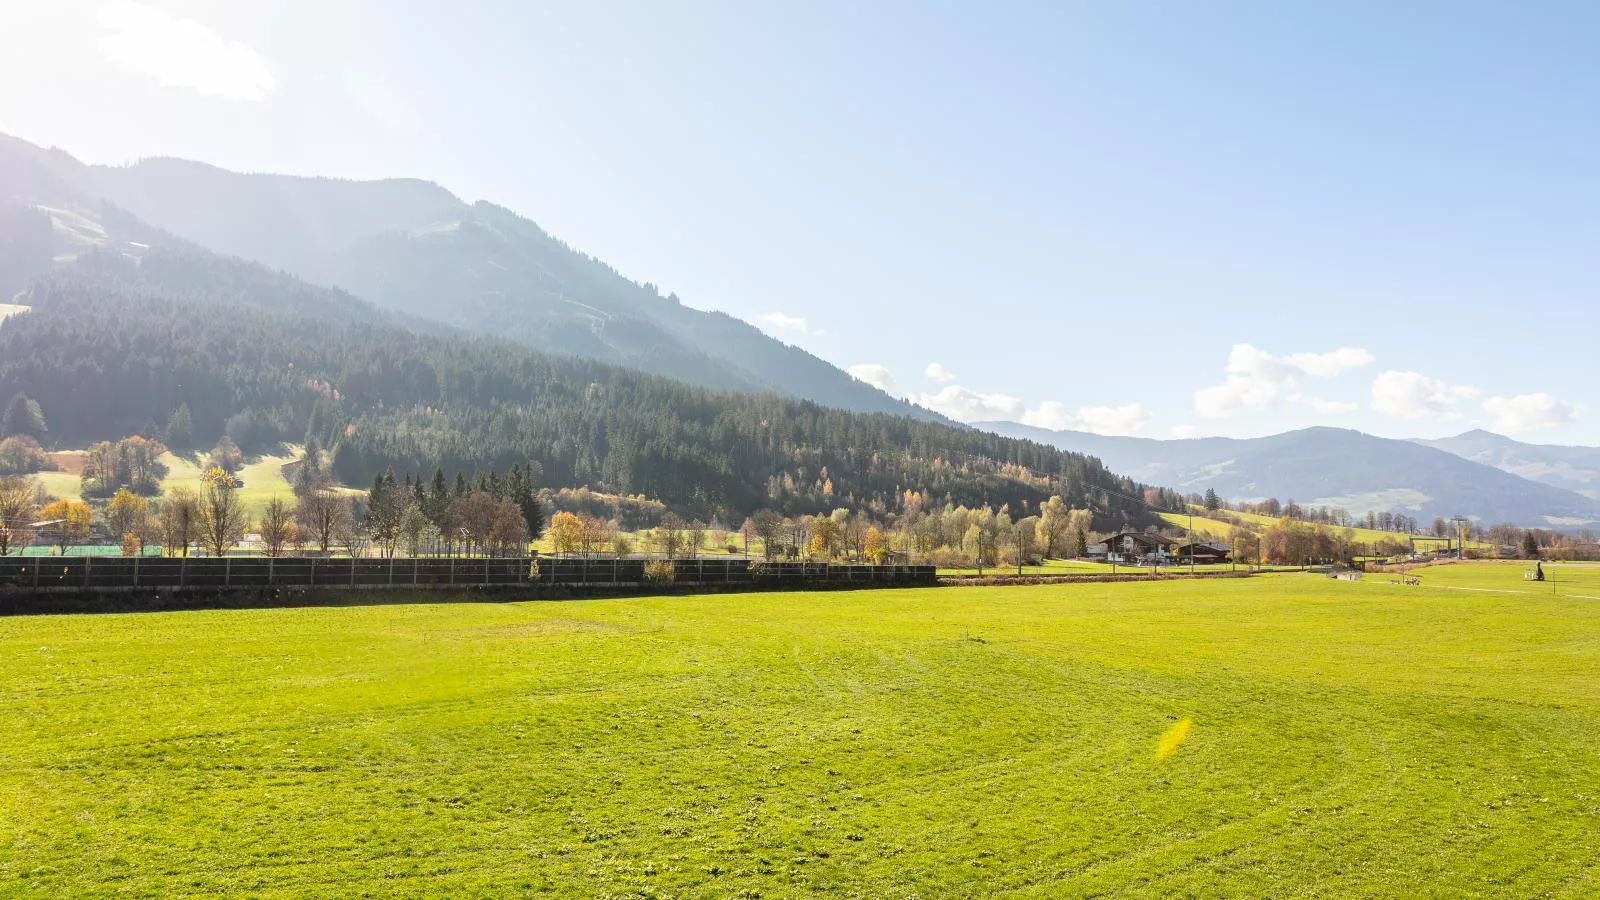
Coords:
pixel 660 572
pixel 533 569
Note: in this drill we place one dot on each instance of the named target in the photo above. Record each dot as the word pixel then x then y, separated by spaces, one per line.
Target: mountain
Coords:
pixel 1570 468
pixel 114 342
pixel 1330 467
pixel 412 246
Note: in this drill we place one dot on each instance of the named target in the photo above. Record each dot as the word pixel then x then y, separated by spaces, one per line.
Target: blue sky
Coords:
pixel 1164 219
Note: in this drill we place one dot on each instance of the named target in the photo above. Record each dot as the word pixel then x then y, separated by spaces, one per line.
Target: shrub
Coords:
pixel 533 569
pixel 660 572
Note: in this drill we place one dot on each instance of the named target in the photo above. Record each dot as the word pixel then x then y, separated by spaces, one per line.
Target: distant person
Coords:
pixel 1538 571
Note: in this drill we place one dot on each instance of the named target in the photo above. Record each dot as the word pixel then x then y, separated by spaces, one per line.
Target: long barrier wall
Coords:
pixel 113 573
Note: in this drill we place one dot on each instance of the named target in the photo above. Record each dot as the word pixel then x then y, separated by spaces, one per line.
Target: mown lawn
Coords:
pixel 1347 739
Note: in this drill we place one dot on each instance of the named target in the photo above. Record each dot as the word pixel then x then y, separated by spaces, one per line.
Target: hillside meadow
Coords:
pixel 263 476
pixel 1285 735
pixel 1215 529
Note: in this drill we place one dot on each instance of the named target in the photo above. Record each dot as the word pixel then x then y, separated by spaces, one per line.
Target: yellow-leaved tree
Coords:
pixel 566 533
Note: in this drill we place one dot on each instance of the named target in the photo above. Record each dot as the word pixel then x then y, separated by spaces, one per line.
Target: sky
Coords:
pixel 1160 219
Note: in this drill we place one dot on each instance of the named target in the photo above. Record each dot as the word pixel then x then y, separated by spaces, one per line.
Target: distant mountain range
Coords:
pixel 1575 469
pixel 1485 476
pixel 412 247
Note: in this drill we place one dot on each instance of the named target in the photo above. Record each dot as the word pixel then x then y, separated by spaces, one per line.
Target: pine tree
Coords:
pixel 1213 502
pixel 180 429
pixel 22 417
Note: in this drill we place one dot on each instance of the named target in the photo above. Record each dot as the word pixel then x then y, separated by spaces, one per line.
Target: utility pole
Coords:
pixel 1191 542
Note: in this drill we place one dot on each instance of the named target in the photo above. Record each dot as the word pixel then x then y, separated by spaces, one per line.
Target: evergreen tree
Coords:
pixel 438 500
pixel 22 417
pixel 1213 502
pixel 180 429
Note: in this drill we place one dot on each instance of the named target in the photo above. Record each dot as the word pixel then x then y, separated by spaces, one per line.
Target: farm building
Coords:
pixel 1138 547
pixel 1204 552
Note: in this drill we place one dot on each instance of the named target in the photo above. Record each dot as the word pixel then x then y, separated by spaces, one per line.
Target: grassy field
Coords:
pixel 1342 739
pixel 262 475
pixel 1081 567
pixel 1219 530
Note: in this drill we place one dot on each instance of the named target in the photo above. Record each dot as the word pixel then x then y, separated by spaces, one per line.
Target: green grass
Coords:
pixel 1348 739
pixel 1216 529
pixel 262 475
pixel 1083 567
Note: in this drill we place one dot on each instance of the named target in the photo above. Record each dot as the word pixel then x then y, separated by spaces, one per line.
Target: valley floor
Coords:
pixel 1347 739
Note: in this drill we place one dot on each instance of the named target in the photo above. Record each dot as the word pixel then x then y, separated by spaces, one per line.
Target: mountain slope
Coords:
pixel 1570 468
pixel 113 345
pixel 414 247
pixel 1330 467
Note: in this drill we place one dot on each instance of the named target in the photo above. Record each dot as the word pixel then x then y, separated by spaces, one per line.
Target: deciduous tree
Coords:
pixel 222 517
pixel 74 521
pixel 278 528
pixel 321 516
pixel 566 533
pixel 180 521
pixel 16 514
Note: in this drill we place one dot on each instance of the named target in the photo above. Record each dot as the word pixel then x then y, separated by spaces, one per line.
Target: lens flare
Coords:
pixel 1173 739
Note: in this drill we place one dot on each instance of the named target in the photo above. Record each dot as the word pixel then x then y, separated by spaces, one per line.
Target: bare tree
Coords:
pixel 321 516
pixel 350 536
pixel 179 521
pixel 670 535
pixel 222 518
pixel 278 528
pixel 16 514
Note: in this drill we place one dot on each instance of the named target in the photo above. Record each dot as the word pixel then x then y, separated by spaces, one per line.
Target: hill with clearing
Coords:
pixel 263 476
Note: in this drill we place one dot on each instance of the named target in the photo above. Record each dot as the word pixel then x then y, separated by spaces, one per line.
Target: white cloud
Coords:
pixel 1527 412
pixel 1413 395
pixel 1327 365
pixel 1111 420
pixel 1184 432
pixel 777 321
pixel 1256 380
pixel 181 53
pixel 970 406
pixel 938 372
pixel 1326 407
pixel 873 374
pixel 1117 420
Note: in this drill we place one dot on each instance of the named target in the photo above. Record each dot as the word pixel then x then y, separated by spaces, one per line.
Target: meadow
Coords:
pixel 1218 530
pixel 1285 735
pixel 263 476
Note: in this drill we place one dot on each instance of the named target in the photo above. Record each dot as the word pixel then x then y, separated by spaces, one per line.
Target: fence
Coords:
pixel 112 573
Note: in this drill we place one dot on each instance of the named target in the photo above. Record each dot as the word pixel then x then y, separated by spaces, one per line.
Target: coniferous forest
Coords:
pixel 117 344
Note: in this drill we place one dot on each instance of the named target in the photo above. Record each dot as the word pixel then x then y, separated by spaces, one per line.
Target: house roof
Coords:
pixel 1142 536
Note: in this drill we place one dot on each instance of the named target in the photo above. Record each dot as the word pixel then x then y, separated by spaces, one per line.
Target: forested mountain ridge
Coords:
pixel 413 247
pixel 1333 467
pixel 114 345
